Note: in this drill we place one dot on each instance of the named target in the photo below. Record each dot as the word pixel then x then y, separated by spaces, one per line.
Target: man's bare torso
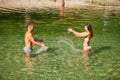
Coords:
pixel 28 43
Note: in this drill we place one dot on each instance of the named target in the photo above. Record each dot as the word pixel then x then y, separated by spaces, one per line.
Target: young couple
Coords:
pixel 29 40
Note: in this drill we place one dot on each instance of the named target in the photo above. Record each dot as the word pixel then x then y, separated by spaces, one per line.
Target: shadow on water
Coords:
pixel 100 49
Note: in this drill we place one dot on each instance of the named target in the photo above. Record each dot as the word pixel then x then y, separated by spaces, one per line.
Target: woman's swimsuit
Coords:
pixel 88 47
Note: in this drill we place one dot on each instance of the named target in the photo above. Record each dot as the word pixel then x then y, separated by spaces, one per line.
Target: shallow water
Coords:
pixel 59 62
pixel 103 17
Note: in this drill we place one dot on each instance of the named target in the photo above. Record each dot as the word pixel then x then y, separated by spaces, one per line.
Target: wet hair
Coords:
pixel 89 27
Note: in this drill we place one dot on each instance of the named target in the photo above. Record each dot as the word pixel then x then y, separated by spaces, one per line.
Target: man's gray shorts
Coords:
pixel 27 50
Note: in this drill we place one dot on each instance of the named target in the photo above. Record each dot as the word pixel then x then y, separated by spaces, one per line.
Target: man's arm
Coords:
pixel 34 42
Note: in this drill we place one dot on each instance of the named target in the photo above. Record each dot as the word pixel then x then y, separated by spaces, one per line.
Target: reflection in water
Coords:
pixel 29 65
pixel 85 60
pixel 27 18
pixel 30 62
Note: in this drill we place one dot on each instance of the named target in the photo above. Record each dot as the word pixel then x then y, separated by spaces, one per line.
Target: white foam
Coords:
pixel 41 50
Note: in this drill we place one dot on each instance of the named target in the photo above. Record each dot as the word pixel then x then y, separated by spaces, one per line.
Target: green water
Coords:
pixel 60 62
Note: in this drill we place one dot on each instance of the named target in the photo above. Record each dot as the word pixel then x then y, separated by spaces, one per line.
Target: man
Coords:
pixel 29 40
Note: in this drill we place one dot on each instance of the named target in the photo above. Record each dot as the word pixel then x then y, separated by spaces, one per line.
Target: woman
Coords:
pixel 87 35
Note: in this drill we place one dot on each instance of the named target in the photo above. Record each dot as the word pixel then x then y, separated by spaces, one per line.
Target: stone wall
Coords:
pixel 52 3
pixel 106 2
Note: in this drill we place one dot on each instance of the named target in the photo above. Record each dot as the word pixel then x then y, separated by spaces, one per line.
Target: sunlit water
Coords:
pixel 105 21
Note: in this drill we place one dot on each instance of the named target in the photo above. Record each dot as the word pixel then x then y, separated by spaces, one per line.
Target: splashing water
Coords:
pixel 69 43
pixel 41 50
pixel 66 41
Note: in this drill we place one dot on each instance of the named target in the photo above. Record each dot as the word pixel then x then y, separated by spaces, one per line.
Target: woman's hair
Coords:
pixel 90 29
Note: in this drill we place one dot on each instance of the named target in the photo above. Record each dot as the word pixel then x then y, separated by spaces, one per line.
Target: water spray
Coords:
pixel 69 43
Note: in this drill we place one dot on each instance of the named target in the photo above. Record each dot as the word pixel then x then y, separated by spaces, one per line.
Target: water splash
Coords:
pixel 41 50
pixel 69 43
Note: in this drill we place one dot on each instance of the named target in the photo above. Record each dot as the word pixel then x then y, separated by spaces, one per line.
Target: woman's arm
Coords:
pixel 77 34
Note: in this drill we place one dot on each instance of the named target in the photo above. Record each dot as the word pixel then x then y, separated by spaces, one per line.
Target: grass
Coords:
pixel 61 62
